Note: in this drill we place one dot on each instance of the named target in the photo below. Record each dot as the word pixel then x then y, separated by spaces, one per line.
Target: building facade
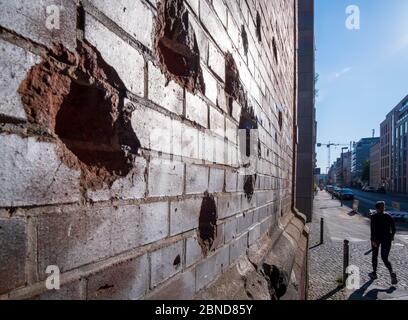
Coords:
pixel 332 175
pixel 394 132
pixel 347 168
pixel 306 115
pixel 375 165
pixel 386 138
pixel 121 159
pixel 361 154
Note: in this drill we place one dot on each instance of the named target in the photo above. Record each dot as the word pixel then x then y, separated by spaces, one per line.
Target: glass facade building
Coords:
pixel 361 154
pixel 394 132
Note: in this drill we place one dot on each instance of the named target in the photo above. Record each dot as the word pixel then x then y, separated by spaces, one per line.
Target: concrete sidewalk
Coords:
pixel 326 260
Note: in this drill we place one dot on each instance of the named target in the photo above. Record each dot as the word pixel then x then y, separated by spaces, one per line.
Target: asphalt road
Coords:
pixel 367 200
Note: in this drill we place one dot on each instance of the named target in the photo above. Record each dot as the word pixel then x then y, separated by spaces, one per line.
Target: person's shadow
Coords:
pixel 373 294
pixel 370 295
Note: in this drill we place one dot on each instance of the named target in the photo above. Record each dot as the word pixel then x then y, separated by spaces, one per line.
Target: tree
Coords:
pixel 365 176
pixel 316 91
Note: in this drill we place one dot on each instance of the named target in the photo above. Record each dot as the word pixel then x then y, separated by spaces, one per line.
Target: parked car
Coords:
pixel 347 194
pixel 336 191
pixel 370 189
pixel 399 216
pixel 381 190
pixel 329 188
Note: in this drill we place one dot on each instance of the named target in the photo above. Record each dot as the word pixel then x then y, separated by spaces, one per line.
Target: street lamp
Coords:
pixel 342 175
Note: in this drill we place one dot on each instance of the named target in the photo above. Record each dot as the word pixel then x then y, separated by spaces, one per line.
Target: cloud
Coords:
pixel 335 76
pixel 342 72
pixel 401 45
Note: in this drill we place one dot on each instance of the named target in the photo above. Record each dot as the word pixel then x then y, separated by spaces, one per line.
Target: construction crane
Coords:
pixel 329 145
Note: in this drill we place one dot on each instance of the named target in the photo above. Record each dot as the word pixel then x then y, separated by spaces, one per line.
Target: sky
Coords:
pixel 363 73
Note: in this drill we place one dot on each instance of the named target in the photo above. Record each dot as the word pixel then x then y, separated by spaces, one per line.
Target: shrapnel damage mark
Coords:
pixel 207 225
pixel 176 46
pixel 68 95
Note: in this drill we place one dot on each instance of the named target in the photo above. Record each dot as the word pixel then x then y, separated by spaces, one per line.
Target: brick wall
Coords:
pixel 120 146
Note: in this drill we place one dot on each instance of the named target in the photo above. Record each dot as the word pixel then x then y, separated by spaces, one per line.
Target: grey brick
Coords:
pixel 131 187
pixel 73 238
pixel 132 16
pixel 238 247
pixel 30 20
pixel 13 249
pixel 210 268
pixel 193 251
pixel 169 96
pixel 165 177
pixel 216 183
pixel 254 234
pixel 163 263
pixel 228 205
pixel 152 128
pixel 68 291
pixel 118 54
pixel 32 174
pixel 184 215
pixel 196 179
pixel 245 220
pixel 196 109
pixel 182 287
pixel 230 229
pixel 127 280
pixel 15 63
pixel 231 181
pixel 133 226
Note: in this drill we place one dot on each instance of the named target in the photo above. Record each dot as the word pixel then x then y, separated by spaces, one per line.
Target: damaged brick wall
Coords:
pixel 122 155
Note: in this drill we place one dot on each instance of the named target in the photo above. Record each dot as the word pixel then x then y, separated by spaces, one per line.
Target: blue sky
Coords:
pixel 363 73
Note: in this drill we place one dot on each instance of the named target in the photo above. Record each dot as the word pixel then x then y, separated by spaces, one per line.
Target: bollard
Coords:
pixel 345 260
pixel 321 230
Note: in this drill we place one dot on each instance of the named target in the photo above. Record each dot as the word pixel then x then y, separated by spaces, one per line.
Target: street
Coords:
pixel 367 200
pixel 326 260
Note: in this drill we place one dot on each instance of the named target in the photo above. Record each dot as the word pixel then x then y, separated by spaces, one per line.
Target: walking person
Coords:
pixel 382 236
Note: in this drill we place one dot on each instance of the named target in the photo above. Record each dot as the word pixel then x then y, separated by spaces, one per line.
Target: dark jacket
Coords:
pixel 382 227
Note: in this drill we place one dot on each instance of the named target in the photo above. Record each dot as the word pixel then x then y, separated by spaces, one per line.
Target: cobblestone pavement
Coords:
pixel 326 260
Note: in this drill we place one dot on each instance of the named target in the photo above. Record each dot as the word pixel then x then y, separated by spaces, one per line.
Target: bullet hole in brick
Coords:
pixel 258 27
pixel 86 125
pixel 176 45
pixel 244 37
pixel 233 87
pixel 11 211
pixel 232 83
pixel 177 261
pixel 247 122
pixel 105 287
pixel 207 224
pixel 85 115
pixel 259 149
pixel 277 280
pixel 280 119
pixel 275 50
pixel 249 186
